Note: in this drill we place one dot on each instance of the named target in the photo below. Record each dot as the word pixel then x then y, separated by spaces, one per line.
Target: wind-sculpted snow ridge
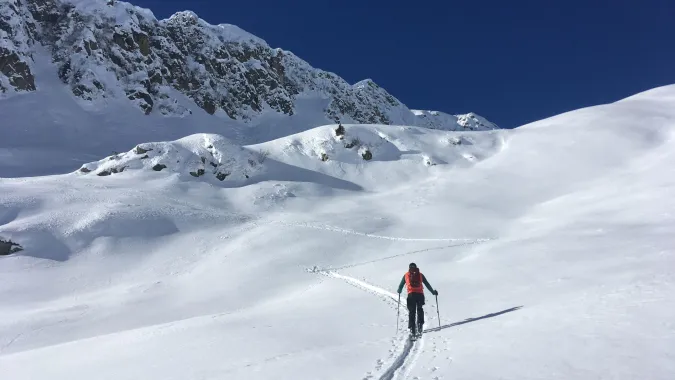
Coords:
pixel 335 148
pixel 349 156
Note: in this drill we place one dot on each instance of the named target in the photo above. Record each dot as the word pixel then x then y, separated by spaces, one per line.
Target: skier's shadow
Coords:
pixel 469 320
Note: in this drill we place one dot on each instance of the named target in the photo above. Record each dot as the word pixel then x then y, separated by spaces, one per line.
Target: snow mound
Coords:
pixel 475 122
pixel 208 156
pixel 382 152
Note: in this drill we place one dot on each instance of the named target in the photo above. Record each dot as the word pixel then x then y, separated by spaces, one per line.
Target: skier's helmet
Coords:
pixel 412 265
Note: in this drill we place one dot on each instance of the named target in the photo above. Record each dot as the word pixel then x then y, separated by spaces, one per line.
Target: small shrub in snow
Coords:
pixel 159 167
pixel 324 157
pixel 222 176
pixel 103 173
pixel 367 155
pixel 84 170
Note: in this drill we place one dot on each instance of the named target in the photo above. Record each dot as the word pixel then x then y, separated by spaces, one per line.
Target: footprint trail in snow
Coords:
pixel 407 350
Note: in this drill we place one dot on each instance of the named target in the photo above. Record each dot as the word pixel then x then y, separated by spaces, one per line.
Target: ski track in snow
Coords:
pixel 401 367
pixel 408 355
pixel 403 254
pixel 352 232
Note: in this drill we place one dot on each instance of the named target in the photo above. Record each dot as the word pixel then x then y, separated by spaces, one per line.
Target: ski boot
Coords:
pixel 413 334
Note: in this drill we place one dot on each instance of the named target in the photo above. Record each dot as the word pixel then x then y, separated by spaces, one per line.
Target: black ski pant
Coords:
pixel 415 303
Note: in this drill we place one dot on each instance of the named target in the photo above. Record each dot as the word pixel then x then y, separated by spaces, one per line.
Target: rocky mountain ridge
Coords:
pixel 106 49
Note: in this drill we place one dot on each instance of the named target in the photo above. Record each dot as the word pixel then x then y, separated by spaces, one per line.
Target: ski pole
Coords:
pixel 438 312
pixel 398 311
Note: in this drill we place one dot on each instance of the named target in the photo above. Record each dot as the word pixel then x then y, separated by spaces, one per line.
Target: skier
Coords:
pixel 413 279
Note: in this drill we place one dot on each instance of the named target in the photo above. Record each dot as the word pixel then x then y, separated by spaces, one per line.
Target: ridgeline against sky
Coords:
pixel 513 63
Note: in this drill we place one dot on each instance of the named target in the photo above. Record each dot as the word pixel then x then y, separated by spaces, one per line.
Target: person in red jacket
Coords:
pixel 413 279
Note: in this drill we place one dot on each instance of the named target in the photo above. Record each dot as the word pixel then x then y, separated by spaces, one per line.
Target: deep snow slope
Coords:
pixel 551 246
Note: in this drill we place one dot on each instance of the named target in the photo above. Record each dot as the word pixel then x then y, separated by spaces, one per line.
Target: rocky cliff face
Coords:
pixel 106 49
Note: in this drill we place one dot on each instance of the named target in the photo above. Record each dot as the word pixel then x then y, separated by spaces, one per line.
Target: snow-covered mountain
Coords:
pixel 550 244
pixel 110 50
pixel 238 232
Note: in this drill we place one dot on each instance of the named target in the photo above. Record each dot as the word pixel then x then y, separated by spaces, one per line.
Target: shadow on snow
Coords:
pixel 434 329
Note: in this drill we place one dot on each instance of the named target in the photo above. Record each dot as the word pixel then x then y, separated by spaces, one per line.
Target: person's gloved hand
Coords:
pixel 435 292
pixel 399 291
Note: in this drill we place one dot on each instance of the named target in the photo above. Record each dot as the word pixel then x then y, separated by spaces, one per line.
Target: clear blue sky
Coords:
pixel 510 61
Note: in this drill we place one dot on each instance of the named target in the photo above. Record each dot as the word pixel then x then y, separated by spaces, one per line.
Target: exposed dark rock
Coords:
pixel 353 143
pixel 8 247
pixel 146 103
pixel 17 71
pixel 367 155
pixel 198 173
pixel 139 150
pixel 340 130
pixel 159 167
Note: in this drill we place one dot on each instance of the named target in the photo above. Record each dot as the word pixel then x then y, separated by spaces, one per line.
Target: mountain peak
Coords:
pixel 118 52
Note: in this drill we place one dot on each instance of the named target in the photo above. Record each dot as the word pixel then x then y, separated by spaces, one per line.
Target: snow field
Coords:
pixel 552 253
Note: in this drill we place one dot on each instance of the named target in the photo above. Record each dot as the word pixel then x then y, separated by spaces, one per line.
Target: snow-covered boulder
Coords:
pixel 206 156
